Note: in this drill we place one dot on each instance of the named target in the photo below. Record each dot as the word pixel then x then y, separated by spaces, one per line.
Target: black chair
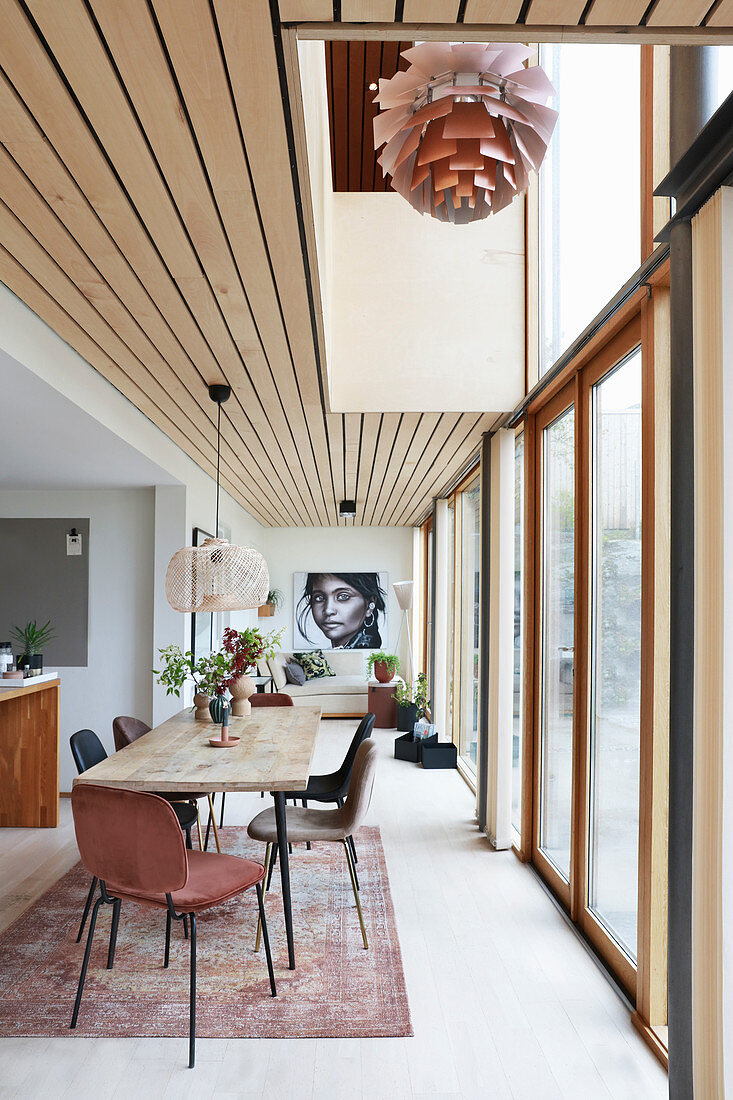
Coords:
pixel 88 750
pixel 334 786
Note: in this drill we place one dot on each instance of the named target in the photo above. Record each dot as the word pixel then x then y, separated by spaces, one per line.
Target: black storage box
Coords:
pixel 434 755
pixel 405 748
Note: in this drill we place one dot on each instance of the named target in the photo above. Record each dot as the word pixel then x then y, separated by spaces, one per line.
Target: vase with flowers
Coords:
pixel 210 674
pixel 244 648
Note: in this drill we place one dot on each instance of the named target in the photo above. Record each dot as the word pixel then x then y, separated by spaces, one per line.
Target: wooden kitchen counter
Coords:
pixel 29 755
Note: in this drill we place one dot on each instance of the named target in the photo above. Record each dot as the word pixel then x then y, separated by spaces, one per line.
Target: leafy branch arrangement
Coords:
pixel 210 674
pixel 246 647
pixel 404 695
pixel 215 672
pixel 32 637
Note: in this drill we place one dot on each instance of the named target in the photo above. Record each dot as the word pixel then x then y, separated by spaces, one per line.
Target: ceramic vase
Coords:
pixel 382 672
pixel 201 702
pixel 240 691
pixel 216 709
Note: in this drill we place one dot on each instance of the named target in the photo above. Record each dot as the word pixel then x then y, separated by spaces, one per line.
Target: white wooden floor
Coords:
pixel 505 1002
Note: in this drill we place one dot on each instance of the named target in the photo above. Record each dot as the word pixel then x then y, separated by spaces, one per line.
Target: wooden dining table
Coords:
pixel 274 753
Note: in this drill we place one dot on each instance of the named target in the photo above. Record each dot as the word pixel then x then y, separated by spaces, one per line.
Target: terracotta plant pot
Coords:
pixel 201 702
pixel 240 691
pixel 382 672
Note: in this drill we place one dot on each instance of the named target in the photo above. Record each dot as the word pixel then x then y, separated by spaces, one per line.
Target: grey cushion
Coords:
pixel 295 673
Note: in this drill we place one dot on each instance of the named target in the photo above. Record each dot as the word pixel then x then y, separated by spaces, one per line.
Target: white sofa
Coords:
pixel 343 694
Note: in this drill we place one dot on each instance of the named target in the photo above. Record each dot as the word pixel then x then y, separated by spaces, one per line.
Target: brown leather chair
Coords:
pixel 156 870
pixel 271 699
pixel 330 825
pixel 125 730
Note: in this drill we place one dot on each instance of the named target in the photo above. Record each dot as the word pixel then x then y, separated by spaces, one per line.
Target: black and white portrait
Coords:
pixel 340 610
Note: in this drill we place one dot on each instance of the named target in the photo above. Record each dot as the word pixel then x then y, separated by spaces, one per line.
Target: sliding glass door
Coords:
pixel 587 639
pixel 556 435
pixel 615 652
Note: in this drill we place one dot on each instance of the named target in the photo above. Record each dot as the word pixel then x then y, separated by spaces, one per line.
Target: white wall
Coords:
pixel 330 549
pixel 118 677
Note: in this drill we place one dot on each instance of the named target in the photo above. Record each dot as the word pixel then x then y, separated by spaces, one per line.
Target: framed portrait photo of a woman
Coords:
pixel 340 610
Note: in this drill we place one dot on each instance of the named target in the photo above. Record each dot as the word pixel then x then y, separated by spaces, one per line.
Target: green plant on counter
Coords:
pixel 32 637
pixel 389 659
pixel 210 673
pixel 404 695
pixel 276 598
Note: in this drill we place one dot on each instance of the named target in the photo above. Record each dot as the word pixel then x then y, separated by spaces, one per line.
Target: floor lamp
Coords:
pixel 403 592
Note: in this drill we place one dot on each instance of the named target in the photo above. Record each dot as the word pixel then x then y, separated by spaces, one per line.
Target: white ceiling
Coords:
pixel 48 442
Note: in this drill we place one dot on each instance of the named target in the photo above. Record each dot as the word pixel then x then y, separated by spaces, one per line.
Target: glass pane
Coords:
pixel 470 595
pixel 616 651
pixel 451 607
pixel 518 631
pixel 558 597
pixel 589 188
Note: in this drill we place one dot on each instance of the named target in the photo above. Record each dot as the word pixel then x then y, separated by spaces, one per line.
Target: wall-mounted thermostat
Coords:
pixel 73 543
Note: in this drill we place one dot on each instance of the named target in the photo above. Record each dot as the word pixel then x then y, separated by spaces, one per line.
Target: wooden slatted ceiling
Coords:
pixel 624 14
pixel 148 215
pixel 350 68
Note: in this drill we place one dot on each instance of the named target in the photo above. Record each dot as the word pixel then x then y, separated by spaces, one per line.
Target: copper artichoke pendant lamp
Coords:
pixel 463 127
pixel 217 576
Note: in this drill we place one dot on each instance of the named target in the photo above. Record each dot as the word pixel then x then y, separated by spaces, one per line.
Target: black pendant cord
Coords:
pixel 218 455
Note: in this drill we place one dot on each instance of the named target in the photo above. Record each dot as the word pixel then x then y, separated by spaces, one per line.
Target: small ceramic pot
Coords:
pixel 240 691
pixel 381 672
pixel 216 709
pixel 201 702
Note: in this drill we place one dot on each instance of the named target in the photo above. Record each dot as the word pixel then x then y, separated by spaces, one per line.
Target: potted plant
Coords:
pixel 210 674
pixel 275 600
pixel 32 638
pixel 244 648
pixel 411 704
pixel 384 665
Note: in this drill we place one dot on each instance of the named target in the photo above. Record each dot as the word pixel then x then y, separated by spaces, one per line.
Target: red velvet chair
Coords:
pixel 133 844
pixel 271 699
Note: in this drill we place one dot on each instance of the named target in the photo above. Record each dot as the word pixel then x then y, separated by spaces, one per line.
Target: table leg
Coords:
pixel 282 844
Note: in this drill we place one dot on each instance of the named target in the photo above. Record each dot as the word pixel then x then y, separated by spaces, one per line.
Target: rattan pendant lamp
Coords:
pixel 217 576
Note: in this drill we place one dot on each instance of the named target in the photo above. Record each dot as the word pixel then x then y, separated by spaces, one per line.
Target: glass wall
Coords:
pixel 518 632
pixel 557 663
pixel 590 206
pixel 468 628
pixel 615 650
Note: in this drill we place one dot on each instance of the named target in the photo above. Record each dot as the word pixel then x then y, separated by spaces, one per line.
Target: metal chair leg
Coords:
pixel 262 923
pixel 270 852
pixel 304 804
pixel 350 842
pixel 87 907
pixel 189 845
pixel 273 860
pixel 185 926
pixel 116 906
pixel 85 963
pixel 212 821
pixel 192 994
pixel 221 817
pixel 355 888
pixel 353 848
pixel 201 836
pixel 166 957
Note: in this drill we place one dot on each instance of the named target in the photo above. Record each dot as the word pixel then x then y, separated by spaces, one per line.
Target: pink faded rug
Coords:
pixel 337 989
